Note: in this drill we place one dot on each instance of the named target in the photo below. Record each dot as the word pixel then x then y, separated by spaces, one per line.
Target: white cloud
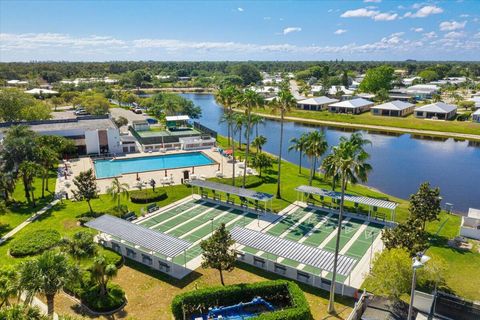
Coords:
pixel 368 12
pixel 291 29
pixel 385 16
pixel 267 18
pixel 464 15
pixel 452 25
pixel 455 35
pixel 424 12
pixel 477 35
pixel 430 35
pixel 50 46
pixel 340 31
pixel 417 29
pixel 359 13
pixel 240 9
pixel 374 1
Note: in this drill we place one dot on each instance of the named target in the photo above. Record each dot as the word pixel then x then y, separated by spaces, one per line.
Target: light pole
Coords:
pixel 417 262
pixel 371 249
pixel 212 224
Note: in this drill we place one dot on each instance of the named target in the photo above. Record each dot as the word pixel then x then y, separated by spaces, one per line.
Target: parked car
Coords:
pixel 137 111
pixel 81 112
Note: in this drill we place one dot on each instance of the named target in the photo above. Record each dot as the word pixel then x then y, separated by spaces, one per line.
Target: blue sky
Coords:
pixel 245 30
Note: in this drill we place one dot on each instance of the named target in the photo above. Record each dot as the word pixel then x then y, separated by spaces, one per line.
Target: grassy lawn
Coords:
pixel 409 122
pixel 21 209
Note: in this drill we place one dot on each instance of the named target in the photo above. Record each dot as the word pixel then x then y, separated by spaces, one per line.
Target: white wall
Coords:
pixel 92 142
pixel 114 144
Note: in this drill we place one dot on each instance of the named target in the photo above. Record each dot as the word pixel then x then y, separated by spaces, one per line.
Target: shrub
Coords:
pixel 250 181
pixel 112 257
pixel 285 296
pixel 148 195
pixel 114 298
pixel 464 116
pixel 35 242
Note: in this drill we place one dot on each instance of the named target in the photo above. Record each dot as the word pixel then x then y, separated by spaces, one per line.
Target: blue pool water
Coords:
pixel 113 168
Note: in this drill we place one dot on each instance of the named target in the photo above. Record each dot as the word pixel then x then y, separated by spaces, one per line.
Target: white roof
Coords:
pixel 41 91
pixel 438 107
pixel 394 105
pixel 177 118
pixel 474 213
pixel 354 103
pixel 17 82
pixel 318 101
pixel 335 89
pixel 423 88
pixel 477 112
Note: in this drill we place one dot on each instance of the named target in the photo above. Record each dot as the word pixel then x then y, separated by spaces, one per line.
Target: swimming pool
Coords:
pixel 116 167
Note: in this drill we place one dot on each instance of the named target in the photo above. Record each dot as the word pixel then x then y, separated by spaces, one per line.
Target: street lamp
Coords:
pixel 212 224
pixel 417 262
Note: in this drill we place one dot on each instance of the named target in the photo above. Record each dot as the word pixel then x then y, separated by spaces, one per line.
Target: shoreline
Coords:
pixel 430 133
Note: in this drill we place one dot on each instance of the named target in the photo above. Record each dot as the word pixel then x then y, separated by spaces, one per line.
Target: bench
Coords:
pixel 152 207
pixel 129 216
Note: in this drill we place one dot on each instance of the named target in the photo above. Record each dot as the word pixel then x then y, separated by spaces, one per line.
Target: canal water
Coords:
pixel 401 162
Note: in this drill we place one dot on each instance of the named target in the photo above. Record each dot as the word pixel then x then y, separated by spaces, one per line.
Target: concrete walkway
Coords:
pixel 28 221
pixel 432 133
pixel 39 304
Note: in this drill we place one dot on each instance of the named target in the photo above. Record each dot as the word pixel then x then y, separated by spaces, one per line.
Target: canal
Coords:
pixel 401 162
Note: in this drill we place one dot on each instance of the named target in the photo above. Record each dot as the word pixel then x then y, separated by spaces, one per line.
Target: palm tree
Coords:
pixel 283 103
pixel 102 272
pixel 226 97
pixel 256 120
pixel 347 162
pixel 249 100
pixel 315 146
pixel 298 144
pixel 118 190
pixel 258 142
pixel 8 285
pixel 7 183
pixel 27 171
pixel 230 118
pixel 47 274
pixel 239 122
pixel 48 158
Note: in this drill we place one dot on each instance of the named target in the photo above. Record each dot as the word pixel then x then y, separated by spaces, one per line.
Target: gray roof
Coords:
pixel 394 105
pixel 247 193
pixel 84 123
pixel 318 101
pixel 155 241
pixel 354 103
pixel 437 107
pixel 292 250
pixel 348 197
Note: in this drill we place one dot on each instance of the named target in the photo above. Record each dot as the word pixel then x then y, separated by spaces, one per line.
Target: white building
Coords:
pixel 92 135
pixel 476 116
pixel 354 106
pixel 437 111
pixel 39 92
pixel 394 108
pixel 317 103
pixel 470 227
pixel 409 81
pixel 17 83
pixel 422 91
pixel 475 99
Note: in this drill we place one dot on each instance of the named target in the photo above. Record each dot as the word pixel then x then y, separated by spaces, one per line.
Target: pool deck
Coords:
pixel 207 171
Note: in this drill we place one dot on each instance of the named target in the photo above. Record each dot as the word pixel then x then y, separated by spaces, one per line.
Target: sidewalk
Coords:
pixel 28 221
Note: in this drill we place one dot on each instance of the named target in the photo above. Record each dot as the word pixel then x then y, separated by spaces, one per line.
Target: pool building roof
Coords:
pixel 149 239
pixel 246 193
pixel 292 250
pixel 373 202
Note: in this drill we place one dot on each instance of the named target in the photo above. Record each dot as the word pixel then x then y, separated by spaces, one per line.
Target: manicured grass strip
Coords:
pixel 288 221
pixel 313 270
pixel 290 262
pixel 207 228
pixel 198 221
pixel 306 226
pixel 168 214
pixel 250 250
pixel 192 253
pixel 348 231
pixel 340 278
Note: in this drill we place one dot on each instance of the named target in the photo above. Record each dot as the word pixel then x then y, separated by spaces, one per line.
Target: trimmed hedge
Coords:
pixel 147 195
pixel 114 299
pixel 284 295
pixel 250 181
pixel 34 242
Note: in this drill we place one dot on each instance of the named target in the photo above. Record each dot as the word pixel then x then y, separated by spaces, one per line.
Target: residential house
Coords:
pixel 354 106
pixel 316 103
pixel 394 108
pixel 437 110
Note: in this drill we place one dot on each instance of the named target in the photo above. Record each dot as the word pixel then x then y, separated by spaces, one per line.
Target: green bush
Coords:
pixel 464 116
pixel 250 181
pixel 35 242
pixel 114 298
pixel 285 296
pixel 112 257
pixel 147 195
